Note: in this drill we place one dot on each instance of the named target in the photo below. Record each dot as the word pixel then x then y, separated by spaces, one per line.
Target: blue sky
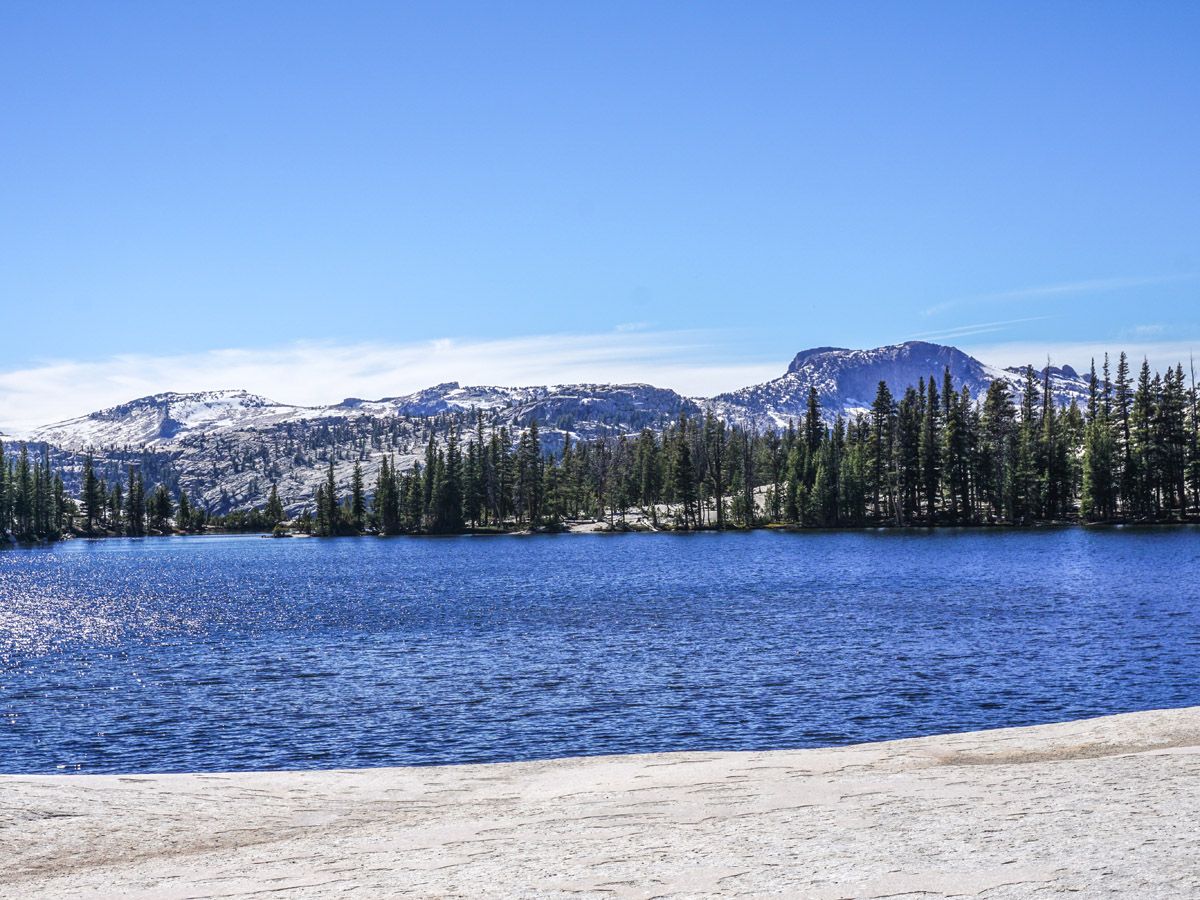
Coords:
pixel 730 182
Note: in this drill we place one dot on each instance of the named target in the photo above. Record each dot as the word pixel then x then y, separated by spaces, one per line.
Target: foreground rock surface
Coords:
pixel 1100 808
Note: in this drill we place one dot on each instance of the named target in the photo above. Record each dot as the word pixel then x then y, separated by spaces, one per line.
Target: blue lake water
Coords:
pixel 242 652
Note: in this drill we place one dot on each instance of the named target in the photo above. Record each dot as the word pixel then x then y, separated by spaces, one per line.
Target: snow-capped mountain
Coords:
pixel 165 418
pixel 1066 384
pixel 847 380
pixel 226 448
pixel 441 398
pixel 588 410
pixel 171 420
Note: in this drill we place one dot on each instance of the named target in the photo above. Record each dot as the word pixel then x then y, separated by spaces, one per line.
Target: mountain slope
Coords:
pixel 226 448
pixel 163 418
pixel 847 380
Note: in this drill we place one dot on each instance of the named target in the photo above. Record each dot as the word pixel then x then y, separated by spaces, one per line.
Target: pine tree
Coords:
pixel 649 476
pixel 1173 443
pixel 747 512
pixel 44 498
pixel 23 501
pixel 683 474
pixel 274 512
pixel 116 506
pixel 5 518
pixel 1143 449
pixel 414 491
pixel 161 507
pixel 528 480
pixel 908 455
pixel 1098 500
pixel 358 505
pixel 931 452
pixel 1027 465
pixel 22 496
pixel 321 524
pixel 428 485
pixel 332 514
pixel 135 505
pixel 1194 439
pixel 1051 454
pixel 59 504
pixel 715 455
pixel 183 517
pixel 93 500
pixel 450 517
pixel 473 476
pixel 955 439
pixel 1123 407
pixel 880 451
pixel 814 427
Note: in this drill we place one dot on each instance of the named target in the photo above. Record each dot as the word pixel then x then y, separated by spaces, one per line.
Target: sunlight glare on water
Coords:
pixel 242 652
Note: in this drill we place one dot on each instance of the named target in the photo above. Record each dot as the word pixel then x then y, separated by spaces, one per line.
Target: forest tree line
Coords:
pixel 934 455
pixel 34 504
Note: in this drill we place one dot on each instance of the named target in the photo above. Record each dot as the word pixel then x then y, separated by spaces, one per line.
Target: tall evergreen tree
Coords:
pixel 161 507
pixel 1098 502
pixel 1027 465
pixel 1123 407
pixel 880 452
pixel 274 511
pixel 358 503
pixel 683 474
pixel 931 452
pixel 183 517
pixel 93 499
pixel 331 516
pixel 135 505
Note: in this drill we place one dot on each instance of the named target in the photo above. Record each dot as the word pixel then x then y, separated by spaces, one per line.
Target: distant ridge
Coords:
pixel 230 446
pixel 845 380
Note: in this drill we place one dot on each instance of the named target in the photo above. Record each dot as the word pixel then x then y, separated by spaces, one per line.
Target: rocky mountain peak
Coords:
pixel 260 442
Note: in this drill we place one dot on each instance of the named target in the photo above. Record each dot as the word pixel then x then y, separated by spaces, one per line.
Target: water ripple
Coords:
pixel 228 653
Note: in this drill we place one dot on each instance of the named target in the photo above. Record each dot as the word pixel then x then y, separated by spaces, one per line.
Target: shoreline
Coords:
pixel 1101 806
pixel 602 528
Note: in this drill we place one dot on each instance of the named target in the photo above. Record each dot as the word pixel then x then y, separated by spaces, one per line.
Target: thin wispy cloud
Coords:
pixel 317 373
pixel 1153 330
pixel 977 328
pixel 1063 289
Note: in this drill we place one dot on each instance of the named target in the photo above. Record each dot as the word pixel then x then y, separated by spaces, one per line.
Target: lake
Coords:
pixel 242 652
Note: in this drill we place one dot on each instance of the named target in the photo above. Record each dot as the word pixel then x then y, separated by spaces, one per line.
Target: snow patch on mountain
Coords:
pixel 846 381
pixel 162 419
pixel 227 448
